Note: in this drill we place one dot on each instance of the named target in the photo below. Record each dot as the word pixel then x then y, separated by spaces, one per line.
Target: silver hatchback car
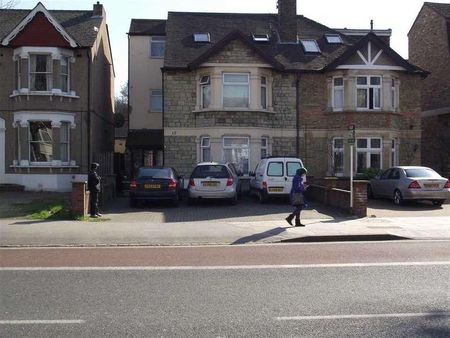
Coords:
pixel 214 180
pixel 410 183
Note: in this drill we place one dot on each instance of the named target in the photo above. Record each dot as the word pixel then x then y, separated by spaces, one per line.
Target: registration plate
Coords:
pixel 431 185
pixel 276 189
pixel 152 186
pixel 210 184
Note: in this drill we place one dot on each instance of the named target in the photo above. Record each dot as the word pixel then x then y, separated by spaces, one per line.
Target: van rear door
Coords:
pixel 291 169
pixel 276 177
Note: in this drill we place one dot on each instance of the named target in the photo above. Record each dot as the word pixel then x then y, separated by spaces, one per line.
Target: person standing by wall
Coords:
pixel 94 187
pixel 297 197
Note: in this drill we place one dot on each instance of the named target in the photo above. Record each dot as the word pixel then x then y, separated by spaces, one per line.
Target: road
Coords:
pixel 357 289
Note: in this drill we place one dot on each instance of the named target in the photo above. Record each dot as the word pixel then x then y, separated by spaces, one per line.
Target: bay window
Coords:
pixel 338 93
pixel 40 72
pixel 64 74
pixel 205 91
pixel 368 92
pixel 237 151
pixel 41 141
pixel 368 153
pixel 338 156
pixel 236 89
pixel 205 147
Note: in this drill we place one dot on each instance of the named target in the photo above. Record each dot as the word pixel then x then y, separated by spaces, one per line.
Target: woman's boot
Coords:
pixel 289 219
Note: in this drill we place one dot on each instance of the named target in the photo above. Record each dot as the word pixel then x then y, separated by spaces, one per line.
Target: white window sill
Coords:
pixel 71 95
pixel 208 110
pixel 50 166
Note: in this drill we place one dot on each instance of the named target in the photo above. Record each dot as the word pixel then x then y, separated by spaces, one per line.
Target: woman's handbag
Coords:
pixel 297 198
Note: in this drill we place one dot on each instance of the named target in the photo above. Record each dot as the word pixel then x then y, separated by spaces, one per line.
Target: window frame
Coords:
pixel 368 151
pixel 241 84
pixel 248 147
pixel 203 148
pixel 204 85
pixel 338 150
pixel 157 40
pixel 64 124
pixel 264 147
pixel 394 153
pixel 45 143
pixel 307 49
pixel 368 87
pixel 329 38
pixel 48 74
pixel 264 103
pixel 152 100
pixel 201 37
pixel 335 88
pixel 66 75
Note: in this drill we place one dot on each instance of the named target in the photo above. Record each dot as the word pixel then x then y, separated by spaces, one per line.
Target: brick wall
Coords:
pixel 180 152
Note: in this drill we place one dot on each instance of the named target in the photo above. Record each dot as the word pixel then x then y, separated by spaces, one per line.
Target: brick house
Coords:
pixel 429 48
pixel 239 87
pixel 56 95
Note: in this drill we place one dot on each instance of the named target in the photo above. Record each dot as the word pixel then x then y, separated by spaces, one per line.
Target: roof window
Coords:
pixel 260 37
pixel 202 37
pixel 310 46
pixel 333 38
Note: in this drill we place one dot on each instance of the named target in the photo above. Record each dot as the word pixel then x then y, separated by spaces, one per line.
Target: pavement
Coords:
pixel 217 224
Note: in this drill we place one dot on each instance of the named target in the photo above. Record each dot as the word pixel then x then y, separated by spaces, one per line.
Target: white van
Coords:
pixel 273 177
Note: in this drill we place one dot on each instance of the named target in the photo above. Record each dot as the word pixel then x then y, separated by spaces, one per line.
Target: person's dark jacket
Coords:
pixel 297 184
pixel 94 181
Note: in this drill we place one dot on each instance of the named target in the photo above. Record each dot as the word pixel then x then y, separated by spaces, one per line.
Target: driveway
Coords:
pixel 386 208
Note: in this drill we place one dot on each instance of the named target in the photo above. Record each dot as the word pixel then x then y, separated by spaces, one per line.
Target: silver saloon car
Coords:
pixel 213 180
pixel 410 183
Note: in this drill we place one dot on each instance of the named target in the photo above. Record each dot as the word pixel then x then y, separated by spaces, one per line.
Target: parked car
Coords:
pixel 273 177
pixel 410 183
pixel 154 184
pixel 214 180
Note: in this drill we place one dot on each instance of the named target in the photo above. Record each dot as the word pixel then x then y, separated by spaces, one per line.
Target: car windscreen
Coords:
pixel 214 171
pixel 420 172
pixel 153 173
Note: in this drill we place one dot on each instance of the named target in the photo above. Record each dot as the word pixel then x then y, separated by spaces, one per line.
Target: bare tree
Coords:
pixel 7 4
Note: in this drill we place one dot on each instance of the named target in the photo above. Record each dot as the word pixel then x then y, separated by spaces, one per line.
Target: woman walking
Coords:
pixel 297 197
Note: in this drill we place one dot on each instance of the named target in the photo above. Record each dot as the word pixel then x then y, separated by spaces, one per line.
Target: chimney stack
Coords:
pixel 98 10
pixel 287 20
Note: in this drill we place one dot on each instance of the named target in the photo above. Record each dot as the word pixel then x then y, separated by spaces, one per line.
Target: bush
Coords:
pixel 368 174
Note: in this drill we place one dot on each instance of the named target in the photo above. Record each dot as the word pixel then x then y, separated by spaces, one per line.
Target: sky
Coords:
pixel 398 15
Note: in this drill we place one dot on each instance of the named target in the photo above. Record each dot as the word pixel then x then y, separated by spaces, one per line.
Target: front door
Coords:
pixel 2 150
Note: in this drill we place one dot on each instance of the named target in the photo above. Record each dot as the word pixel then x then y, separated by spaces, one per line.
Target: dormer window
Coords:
pixel 310 46
pixel 260 37
pixel 333 38
pixel 202 37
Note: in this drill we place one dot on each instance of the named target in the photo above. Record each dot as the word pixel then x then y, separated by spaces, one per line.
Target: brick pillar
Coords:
pixel 79 199
pixel 360 198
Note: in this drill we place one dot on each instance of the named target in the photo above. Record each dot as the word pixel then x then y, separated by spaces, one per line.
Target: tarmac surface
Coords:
pixel 216 223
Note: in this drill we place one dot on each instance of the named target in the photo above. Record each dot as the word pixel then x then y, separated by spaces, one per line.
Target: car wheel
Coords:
pixel 398 198
pixel 370 192
pixel 438 202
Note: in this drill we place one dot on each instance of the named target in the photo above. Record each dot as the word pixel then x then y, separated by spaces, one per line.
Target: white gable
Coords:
pixel 39 8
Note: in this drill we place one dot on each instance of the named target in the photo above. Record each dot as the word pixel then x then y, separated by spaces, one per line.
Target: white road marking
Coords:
pixel 220 267
pixel 28 322
pixel 368 316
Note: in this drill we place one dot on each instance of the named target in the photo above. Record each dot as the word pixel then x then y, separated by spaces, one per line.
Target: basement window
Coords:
pixel 333 38
pixel 202 37
pixel 310 46
pixel 260 37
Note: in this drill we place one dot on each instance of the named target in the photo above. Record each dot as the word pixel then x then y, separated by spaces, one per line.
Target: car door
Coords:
pixel 392 182
pixel 380 186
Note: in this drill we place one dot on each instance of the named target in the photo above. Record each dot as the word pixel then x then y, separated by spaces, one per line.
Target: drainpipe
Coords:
pixel 162 115
pixel 297 116
pixel 89 109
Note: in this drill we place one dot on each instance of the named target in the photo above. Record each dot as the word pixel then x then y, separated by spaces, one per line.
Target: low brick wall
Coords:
pixel 335 192
pixel 79 199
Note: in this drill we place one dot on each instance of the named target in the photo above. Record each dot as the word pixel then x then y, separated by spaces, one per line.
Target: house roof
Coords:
pixel 378 42
pixel 182 51
pixel 147 27
pixel 78 24
pixel 440 8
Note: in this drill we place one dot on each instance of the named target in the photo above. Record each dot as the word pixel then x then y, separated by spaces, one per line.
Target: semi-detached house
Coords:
pixel 238 87
pixel 56 95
